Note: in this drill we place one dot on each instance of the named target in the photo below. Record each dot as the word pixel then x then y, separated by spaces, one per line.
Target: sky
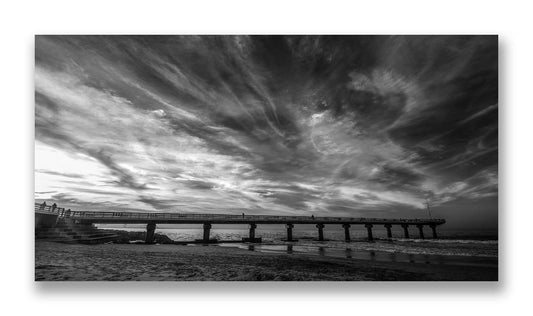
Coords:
pixel 361 126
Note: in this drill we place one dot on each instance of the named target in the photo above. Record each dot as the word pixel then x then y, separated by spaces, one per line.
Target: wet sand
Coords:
pixel 138 262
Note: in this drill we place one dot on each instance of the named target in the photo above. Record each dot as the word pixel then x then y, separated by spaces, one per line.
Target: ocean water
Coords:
pixel 452 247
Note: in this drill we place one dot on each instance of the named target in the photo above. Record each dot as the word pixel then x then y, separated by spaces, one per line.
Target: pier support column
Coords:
pixel 420 230
pixel 252 231
pixel 150 233
pixel 369 231
pixel 289 231
pixel 346 231
pixel 434 230
pixel 320 231
pixel 389 231
pixel 207 231
pixel 405 230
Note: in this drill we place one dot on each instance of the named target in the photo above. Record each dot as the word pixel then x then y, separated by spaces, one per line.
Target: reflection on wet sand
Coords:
pixel 371 255
pixel 348 253
pixel 289 249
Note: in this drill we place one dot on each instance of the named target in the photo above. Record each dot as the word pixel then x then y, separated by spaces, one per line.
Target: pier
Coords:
pixel 49 214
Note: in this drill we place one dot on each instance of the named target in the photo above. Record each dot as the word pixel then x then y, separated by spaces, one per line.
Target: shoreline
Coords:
pixel 166 262
pixel 127 236
pixel 442 250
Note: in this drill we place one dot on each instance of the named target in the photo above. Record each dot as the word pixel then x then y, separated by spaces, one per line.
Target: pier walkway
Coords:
pixel 151 219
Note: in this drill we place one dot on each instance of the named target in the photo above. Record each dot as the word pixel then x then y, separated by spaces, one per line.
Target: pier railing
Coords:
pixel 49 209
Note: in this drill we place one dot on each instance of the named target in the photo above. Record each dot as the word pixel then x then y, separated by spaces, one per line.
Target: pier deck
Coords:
pixel 151 219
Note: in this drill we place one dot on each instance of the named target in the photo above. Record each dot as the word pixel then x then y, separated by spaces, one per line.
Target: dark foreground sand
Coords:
pixel 124 262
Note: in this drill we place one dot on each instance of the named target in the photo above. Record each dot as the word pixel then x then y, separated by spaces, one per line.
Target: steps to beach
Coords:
pixel 68 231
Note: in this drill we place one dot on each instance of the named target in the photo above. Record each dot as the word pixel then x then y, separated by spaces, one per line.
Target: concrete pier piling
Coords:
pixel 150 233
pixel 320 231
pixel 346 231
pixel 405 230
pixel 252 231
pixel 207 231
pixel 369 231
pixel 289 231
pixel 251 234
pixel 389 230
pixel 434 230
pixel 420 231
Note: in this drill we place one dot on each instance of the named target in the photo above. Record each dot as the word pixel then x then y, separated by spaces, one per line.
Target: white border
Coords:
pixel 21 20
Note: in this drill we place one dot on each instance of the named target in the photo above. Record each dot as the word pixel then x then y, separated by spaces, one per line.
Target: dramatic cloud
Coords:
pixel 324 125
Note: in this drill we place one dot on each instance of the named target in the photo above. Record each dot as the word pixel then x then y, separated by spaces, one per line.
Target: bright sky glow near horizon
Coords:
pixel 369 126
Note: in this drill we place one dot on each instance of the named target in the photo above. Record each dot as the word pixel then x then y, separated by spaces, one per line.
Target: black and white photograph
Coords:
pixel 266 157
pixel 261 158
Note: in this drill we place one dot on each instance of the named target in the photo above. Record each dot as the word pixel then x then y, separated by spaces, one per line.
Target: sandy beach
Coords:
pixel 138 262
